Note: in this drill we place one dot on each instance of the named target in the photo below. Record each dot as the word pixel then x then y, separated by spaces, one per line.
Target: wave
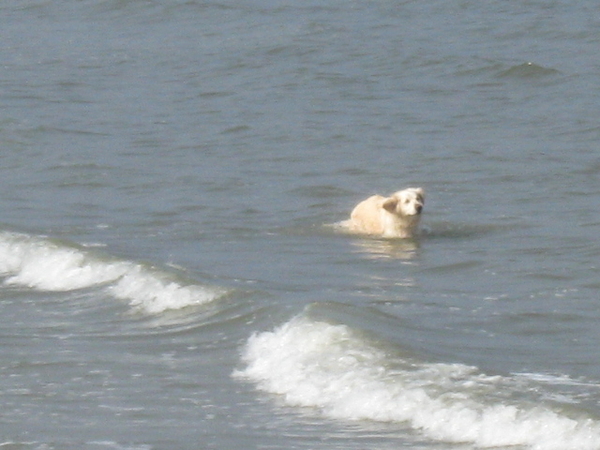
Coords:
pixel 47 265
pixel 335 370
pixel 528 70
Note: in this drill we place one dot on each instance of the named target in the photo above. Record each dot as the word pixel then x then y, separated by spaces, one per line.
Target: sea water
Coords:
pixel 170 272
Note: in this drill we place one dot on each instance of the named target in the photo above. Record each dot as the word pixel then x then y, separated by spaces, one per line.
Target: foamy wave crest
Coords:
pixel 155 293
pixel 329 367
pixel 46 265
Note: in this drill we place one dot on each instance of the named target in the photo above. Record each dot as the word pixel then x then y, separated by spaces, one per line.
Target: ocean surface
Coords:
pixel 171 276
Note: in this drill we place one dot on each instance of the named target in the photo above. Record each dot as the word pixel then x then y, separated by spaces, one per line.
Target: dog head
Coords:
pixel 408 202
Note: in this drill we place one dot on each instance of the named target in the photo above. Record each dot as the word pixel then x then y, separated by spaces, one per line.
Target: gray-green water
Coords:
pixel 169 175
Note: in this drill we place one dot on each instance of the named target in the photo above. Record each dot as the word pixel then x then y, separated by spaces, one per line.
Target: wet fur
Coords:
pixel 396 216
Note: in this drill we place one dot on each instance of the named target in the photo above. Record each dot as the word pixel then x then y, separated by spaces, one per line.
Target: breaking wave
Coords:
pixel 337 371
pixel 47 265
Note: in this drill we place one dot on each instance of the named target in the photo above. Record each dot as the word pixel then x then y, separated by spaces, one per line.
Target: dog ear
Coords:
pixel 389 204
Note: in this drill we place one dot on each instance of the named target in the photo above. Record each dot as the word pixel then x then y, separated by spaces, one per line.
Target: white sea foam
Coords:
pixel 155 293
pixel 46 265
pixel 328 367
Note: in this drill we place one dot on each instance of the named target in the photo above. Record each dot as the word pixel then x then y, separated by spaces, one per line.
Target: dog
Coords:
pixel 396 216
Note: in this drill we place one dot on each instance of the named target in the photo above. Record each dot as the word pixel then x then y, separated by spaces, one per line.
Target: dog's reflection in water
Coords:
pixel 405 249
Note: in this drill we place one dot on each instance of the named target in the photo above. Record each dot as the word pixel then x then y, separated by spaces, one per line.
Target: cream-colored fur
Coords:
pixel 395 216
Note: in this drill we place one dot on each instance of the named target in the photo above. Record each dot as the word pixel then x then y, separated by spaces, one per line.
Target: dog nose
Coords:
pixel 419 209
